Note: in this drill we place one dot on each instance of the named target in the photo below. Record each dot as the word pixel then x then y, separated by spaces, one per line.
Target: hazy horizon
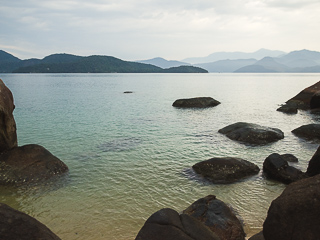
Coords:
pixel 138 30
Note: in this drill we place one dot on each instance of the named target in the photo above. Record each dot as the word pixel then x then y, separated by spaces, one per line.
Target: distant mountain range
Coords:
pixel 262 61
pixel 67 63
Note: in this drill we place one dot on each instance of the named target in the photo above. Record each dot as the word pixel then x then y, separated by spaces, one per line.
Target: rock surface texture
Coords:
pixel 199 102
pixel 216 215
pixel 314 164
pixel 252 133
pixel 294 215
pixel 225 170
pixel 8 135
pixel 29 163
pixel 309 131
pixel 167 224
pixel 277 168
pixel 17 225
pixel 302 99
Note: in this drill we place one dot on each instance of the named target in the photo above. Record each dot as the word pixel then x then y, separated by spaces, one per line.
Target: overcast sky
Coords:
pixel 143 29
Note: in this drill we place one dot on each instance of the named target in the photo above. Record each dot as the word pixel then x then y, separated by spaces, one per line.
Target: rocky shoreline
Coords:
pixel 291 216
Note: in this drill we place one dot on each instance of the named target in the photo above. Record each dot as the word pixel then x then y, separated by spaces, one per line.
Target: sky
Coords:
pixel 143 29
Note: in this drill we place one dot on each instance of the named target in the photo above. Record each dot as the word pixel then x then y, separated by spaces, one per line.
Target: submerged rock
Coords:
pixel 277 168
pixel 167 224
pixel 8 135
pixel 29 164
pixel 309 131
pixel 252 133
pixel 294 215
pixel 198 102
pixel 216 215
pixel 17 225
pixel 302 99
pixel 225 170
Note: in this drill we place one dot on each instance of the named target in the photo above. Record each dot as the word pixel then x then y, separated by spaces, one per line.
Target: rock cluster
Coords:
pixel 25 164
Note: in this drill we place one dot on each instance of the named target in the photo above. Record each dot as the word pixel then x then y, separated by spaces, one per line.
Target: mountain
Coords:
pixel 67 63
pixel 234 55
pixel 226 66
pixel 296 61
pixel 163 63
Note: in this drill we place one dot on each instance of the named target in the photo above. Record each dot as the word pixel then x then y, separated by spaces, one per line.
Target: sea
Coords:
pixel 131 154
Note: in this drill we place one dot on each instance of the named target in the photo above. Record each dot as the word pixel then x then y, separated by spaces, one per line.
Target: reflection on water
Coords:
pixel 130 155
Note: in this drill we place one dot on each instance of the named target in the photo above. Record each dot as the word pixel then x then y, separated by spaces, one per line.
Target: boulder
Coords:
pixel 289 158
pixel 314 164
pixel 288 108
pixel 17 225
pixel 302 99
pixel 167 224
pixel 294 215
pixel 277 168
pixel 29 164
pixel 258 236
pixel 8 135
pixel 315 101
pixel 225 170
pixel 198 102
pixel 216 215
pixel 252 133
pixel 309 131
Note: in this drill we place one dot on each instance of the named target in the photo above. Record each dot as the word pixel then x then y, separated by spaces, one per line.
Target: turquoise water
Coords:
pixel 130 154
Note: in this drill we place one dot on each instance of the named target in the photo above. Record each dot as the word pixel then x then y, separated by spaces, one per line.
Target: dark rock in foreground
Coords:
pixel 258 236
pixel 314 164
pixel 277 168
pixel 17 225
pixel 309 131
pixel 225 170
pixel 199 102
pixel 8 135
pixel 315 101
pixel 29 164
pixel 167 224
pixel 216 215
pixel 302 99
pixel 252 133
pixel 294 215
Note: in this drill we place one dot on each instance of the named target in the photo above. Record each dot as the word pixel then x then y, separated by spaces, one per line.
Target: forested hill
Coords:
pixel 66 63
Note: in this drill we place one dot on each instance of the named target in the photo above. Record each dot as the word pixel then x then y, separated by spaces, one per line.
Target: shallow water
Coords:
pixel 131 154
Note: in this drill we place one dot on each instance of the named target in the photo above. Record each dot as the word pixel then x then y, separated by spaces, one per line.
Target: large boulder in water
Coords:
pixel 29 164
pixel 314 164
pixel 294 215
pixel 8 135
pixel 302 99
pixel 216 215
pixel 198 102
pixel 252 133
pixel 309 131
pixel 17 225
pixel 167 224
pixel 277 168
pixel 225 170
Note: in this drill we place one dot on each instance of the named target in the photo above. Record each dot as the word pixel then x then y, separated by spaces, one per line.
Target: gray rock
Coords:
pixel 277 168
pixel 17 225
pixel 294 215
pixel 8 134
pixel 167 224
pixel 225 170
pixel 29 164
pixel 216 215
pixel 252 133
pixel 199 102
pixel 309 131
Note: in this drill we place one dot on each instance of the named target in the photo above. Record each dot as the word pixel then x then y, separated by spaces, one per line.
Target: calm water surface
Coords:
pixel 130 154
